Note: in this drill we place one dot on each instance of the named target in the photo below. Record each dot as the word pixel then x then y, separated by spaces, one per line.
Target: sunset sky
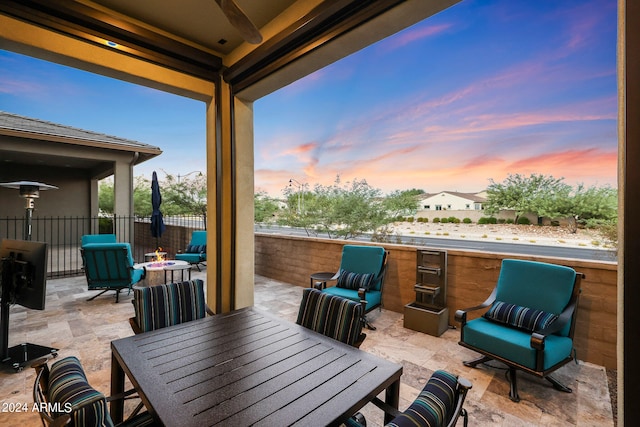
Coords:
pixel 481 90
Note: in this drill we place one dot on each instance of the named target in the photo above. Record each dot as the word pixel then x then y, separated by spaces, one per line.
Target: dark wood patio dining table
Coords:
pixel 248 367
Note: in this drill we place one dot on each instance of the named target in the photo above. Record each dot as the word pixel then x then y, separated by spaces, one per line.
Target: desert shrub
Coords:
pixel 105 225
pixel 421 219
pixel 501 220
pixel 454 220
pixel 487 220
pixel 509 221
pixel 409 219
pixel 523 220
pixel 435 220
pixel 444 220
pixel 467 220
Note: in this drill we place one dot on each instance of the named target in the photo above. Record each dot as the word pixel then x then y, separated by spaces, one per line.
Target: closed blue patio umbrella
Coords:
pixel 157 223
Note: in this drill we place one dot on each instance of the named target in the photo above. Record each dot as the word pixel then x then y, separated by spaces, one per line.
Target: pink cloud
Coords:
pixel 415 34
pixel 21 87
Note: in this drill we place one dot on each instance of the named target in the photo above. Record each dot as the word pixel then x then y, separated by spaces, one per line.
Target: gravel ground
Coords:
pixel 526 234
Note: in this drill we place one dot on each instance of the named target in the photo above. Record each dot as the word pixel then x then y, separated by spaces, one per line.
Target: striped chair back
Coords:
pixel 63 396
pixel 336 317
pixel 65 386
pixel 169 304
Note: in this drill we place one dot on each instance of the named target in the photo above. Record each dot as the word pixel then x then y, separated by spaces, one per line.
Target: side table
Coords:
pixel 322 277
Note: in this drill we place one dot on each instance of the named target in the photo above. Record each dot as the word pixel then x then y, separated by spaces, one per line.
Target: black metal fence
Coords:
pixel 63 234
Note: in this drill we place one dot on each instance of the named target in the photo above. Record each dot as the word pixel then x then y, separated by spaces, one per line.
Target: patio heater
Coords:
pixel 29 190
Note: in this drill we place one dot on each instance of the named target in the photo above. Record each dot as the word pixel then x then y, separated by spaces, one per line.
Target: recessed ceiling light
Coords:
pixel 222 41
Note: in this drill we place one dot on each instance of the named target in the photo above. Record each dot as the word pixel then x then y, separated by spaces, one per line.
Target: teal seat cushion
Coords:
pixel 364 259
pixel 136 275
pixel 374 298
pixel 514 344
pixel 98 238
pixel 192 258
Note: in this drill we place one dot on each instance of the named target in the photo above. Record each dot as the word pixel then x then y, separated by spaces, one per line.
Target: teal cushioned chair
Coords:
pixel 196 251
pixel 64 397
pixel 530 322
pixel 366 267
pixel 109 266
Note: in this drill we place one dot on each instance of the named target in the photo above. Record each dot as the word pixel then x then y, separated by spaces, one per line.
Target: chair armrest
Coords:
pixel 134 326
pixel 461 315
pixel 209 311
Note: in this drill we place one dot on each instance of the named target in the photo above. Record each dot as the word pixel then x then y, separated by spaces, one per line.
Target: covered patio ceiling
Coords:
pixel 195 36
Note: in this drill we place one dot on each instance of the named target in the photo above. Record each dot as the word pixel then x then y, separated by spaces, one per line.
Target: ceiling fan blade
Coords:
pixel 240 21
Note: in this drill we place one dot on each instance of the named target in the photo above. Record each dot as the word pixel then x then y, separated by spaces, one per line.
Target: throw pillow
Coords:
pixel 350 280
pixel 196 249
pixel 520 317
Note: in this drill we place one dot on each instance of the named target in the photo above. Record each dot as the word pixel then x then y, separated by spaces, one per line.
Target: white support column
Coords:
pixel 123 199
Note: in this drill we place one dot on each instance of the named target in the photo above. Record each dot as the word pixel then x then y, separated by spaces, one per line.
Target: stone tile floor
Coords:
pixel 86 328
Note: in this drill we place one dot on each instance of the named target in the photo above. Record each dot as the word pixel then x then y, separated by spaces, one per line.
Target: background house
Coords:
pixel 72 159
pixel 451 200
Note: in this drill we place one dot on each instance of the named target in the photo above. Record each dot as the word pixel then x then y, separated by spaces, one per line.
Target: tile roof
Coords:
pixel 15 122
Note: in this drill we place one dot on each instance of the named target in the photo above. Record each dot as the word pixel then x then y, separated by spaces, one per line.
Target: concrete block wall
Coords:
pixel 471 277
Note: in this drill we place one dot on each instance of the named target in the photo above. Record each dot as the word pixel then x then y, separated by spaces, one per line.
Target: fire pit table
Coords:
pixel 157 271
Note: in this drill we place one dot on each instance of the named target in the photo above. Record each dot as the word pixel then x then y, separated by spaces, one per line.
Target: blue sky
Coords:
pixel 481 90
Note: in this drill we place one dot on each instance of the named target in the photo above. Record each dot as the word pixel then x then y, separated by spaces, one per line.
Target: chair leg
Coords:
pixel 558 385
pixel 368 324
pixel 475 362
pixel 513 390
pixel 98 294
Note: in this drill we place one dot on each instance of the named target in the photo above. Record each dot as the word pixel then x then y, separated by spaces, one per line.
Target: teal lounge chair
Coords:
pixel 361 276
pixel 196 251
pixel 530 322
pixel 109 266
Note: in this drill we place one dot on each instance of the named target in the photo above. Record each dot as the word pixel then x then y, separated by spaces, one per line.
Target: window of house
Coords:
pixel 438 207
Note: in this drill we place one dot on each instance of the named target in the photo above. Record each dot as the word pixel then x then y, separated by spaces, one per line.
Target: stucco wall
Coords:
pixel 471 277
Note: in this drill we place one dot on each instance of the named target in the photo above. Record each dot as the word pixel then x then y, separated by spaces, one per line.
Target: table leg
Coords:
pixel 117 387
pixel 392 397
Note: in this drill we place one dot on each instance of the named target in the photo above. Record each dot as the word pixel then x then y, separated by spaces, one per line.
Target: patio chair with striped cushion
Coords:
pixel 63 396
pixel 168 304
pixel 439 404
pixel 331 315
